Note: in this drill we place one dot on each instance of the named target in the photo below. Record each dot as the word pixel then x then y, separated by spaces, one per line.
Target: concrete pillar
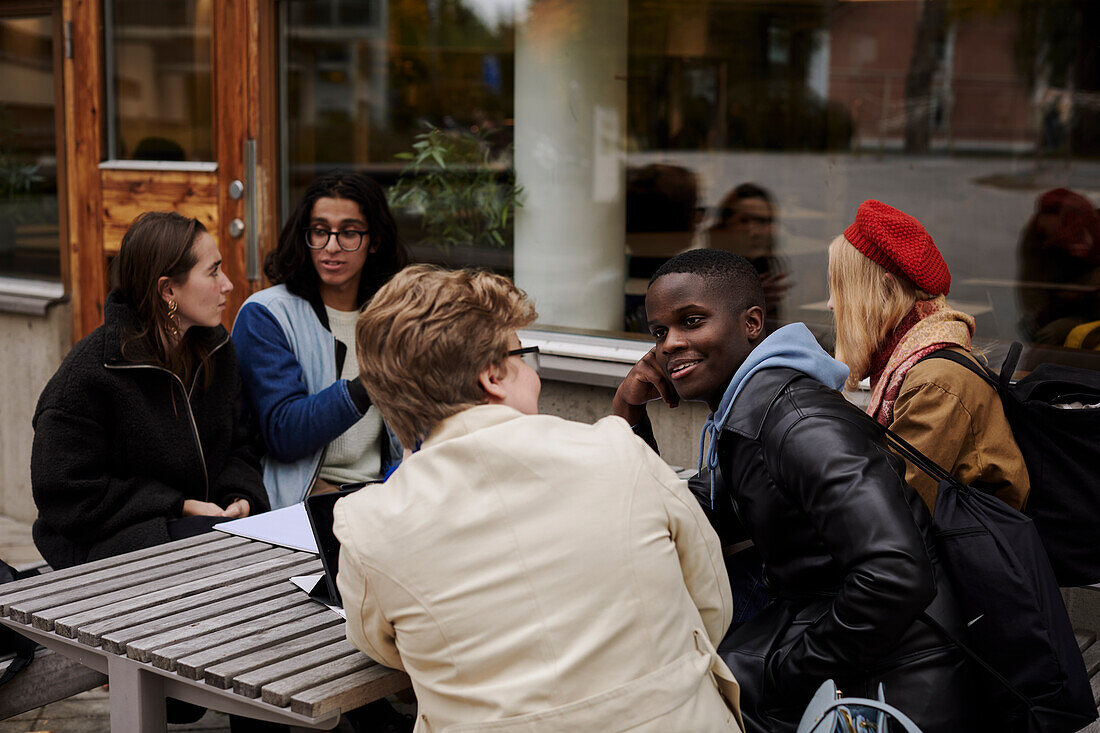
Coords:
pixel 570 101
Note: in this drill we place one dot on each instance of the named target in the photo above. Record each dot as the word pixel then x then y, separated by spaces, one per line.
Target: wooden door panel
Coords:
pixel 126 194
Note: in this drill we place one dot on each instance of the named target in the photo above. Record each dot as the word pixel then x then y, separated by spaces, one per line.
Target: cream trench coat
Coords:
pixel 534 574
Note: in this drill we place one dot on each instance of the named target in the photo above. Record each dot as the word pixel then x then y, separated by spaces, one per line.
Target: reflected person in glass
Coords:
pixel 746 225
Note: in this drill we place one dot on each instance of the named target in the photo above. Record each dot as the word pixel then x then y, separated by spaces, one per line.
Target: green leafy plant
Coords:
pixel 464 197
pixel 16 177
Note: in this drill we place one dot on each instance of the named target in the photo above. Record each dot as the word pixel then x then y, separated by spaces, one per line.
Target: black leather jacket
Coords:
pixel 848 559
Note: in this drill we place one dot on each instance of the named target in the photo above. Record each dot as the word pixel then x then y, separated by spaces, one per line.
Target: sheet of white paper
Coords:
pixel 308 583
pixel 287 527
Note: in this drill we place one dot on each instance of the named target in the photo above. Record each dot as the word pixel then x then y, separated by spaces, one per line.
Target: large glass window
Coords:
pixel 640 128
pixel 158 80
pixel 30 243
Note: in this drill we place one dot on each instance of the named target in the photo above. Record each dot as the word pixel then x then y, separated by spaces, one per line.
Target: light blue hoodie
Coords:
pixel 791 346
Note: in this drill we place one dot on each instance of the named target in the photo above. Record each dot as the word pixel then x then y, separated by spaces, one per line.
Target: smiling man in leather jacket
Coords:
pixel 846 545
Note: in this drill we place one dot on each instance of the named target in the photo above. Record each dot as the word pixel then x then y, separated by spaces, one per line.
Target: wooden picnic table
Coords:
pixel 213 620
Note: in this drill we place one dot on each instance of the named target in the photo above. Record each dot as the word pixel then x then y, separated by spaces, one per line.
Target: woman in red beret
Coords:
pixel 887 283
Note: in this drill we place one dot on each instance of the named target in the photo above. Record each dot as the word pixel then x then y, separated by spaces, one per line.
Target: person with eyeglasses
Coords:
pixel 296 340
pixel 745 224
pixel 529 573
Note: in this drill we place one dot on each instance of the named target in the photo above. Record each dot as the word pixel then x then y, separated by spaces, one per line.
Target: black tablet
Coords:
pixel 319 510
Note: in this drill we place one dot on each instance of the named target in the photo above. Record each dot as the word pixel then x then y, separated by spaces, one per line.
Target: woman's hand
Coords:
pixel 239 509
pixel 196 508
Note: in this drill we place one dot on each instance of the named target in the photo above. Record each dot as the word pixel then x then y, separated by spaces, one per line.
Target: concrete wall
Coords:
pixel 32 348
pixel 677 430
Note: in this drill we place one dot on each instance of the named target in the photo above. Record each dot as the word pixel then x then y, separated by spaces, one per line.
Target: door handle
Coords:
pixel 251 229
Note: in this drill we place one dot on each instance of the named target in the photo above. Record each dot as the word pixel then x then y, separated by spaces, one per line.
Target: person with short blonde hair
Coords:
pixel 866 306
pixel 887 285
pixel 528 572
pixel 428 336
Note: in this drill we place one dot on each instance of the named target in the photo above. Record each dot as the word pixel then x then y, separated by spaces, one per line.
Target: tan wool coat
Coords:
pixel 955 418
pixel 535 574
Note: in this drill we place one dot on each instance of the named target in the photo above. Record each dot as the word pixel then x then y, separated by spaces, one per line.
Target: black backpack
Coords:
pixel 9 640
pixel 1018 630
pixel 1061 449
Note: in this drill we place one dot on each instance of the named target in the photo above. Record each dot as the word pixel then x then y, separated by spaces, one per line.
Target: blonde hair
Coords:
pixel 426 336
pixel 867 306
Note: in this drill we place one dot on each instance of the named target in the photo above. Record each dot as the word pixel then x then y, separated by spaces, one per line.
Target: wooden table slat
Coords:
pixel 215 626
pixel 45 618
pixel 185 623
pixel 250 684
pixel 35 583
pixel 279 692
pixel 276 566
pixel 230 612
pixel 350 692
pixel 123 626
pixel 56 590
pixel 191 660
pixel 194 666
pixel 226 674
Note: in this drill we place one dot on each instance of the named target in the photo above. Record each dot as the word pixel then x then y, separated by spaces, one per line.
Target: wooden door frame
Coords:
pixel 242 59
pixel 83 113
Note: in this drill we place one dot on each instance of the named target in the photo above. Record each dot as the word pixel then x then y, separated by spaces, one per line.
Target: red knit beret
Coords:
pixel 900 244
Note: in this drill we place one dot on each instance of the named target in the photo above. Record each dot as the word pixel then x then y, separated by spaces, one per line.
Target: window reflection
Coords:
pixel 29 237
pixel 639 128
pixel 159 91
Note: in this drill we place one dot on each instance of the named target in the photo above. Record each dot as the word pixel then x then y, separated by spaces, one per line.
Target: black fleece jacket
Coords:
pixel 120 443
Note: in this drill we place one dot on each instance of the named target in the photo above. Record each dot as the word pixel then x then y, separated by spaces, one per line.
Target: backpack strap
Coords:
pixel 999 382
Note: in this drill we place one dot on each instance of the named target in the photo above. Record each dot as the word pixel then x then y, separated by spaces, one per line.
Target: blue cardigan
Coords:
pixel 288 365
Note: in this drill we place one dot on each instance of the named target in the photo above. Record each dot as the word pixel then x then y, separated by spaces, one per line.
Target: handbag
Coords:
pixel 828 712
pixel 1018 631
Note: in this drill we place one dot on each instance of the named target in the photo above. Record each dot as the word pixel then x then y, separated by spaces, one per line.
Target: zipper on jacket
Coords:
pixel 190 414
pixel 198 370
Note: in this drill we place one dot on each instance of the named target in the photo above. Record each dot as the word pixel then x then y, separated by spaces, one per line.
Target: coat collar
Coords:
pixel 121 319
pixel 757 397
pixel 470 420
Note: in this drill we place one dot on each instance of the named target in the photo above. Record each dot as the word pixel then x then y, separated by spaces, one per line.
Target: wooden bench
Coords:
pixel 49 678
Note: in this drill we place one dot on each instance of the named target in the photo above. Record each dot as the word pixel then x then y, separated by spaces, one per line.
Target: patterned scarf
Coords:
pixel 930 326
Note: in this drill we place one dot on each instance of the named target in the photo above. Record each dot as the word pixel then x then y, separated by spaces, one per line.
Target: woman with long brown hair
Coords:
pixel 141 436
pixel 887 286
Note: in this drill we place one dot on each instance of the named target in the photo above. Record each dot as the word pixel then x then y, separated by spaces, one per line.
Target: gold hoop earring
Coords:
pixel 173 318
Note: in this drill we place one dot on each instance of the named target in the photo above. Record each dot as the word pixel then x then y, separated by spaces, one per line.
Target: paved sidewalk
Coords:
pixel 90 712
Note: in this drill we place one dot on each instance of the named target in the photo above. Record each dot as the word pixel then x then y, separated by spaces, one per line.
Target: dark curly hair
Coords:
pixel 291 264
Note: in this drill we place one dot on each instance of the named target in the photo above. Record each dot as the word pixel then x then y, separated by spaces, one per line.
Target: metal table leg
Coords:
pixel 137 698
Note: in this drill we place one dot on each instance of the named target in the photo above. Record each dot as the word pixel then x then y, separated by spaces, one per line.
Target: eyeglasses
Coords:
pixel 348 240
pixel 529 355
